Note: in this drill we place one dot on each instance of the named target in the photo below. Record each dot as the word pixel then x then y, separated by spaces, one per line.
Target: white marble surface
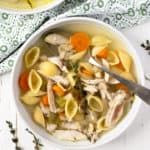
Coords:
pixel 136 137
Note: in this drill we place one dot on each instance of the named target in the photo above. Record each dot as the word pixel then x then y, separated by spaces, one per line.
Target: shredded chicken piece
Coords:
pixel 51 127
pixel 92 81
pixel 56 39
pixel 115 111
pixel 92 116
pixel 90 129
pixel 61 80
pixel 45 109
pixel 43 58
pixel 70 135
pixel 94 137
pixel 90 88
pixel 113 81
pixel 102 86
pixel 106 64
pixel 65 50
pixel 51 99
pixel 71 125
pixel 57 61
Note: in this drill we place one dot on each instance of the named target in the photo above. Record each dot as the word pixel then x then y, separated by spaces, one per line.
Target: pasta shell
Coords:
pixel 128 76
pixel 116 69
pixel 85 66
pixel 38 3
pixel 125 59
pixel 71 108
pixel 31 56
pixel 29 100
pixel 100 41
pixel 34 81
pixel 48 69
pixel 31 93
pixel 101 125
pixel 112 58
pixel 95 103
pixel 96 50
pixel 77 56
pixel 38 116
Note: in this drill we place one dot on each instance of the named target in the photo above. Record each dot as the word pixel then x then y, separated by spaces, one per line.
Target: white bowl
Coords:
pixel 31 11
pixel 88 25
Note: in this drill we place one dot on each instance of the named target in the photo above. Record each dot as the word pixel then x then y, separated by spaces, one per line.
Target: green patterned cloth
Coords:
pixel 15 29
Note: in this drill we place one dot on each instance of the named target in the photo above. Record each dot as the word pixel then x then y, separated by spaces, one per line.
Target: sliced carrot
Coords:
pixel 120 66
pixel 58 90
pixel 23 81
pixel 87 72
pixel 80 41
pixel 45 100
pixel 103 53
pixel 122 87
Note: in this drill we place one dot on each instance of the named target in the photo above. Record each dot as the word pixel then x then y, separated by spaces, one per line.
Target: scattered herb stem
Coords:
pixel 146 46
pixel 36 140
pixel 13 131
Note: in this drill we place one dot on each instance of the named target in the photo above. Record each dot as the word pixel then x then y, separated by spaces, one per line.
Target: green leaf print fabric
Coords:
pixel 15 29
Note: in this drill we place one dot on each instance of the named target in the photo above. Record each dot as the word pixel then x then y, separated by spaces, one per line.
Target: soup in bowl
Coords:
pixel 28 6
pixel 64 98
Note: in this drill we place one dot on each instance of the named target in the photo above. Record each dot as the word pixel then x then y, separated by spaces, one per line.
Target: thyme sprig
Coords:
pixel 13 131
pixel 36 140
pixel 146 45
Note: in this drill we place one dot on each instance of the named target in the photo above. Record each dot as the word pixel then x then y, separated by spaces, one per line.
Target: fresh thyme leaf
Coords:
pixel 13 131
pixel 146 46
pixel 36 140
pixel 147 42
pixel 142 45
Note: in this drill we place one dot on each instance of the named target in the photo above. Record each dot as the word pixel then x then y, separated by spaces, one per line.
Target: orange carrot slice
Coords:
pixel 103 53
pixel 45 100
pixel 23 81
pixel 120 66
pixel 80 41
pixel 58 90
pixel 122 87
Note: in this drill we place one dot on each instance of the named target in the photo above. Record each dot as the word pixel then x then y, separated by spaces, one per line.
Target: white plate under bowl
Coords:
pixel 89 26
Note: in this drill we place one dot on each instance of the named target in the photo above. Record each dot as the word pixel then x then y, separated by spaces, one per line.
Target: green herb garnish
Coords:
pixel 36 140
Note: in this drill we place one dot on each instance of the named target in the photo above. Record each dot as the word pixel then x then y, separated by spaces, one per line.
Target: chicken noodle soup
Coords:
pixel 70 98
pixel 23 4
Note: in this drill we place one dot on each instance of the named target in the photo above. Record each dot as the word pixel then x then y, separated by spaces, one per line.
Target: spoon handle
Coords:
pixel 141 91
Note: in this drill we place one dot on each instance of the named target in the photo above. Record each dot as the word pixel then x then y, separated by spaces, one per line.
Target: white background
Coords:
pixel 136 137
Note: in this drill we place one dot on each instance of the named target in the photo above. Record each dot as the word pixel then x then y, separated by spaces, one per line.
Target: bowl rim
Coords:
pixel 32 11
pixel 118 33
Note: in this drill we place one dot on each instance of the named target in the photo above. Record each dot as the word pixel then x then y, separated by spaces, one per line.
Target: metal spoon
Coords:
pixel 141 91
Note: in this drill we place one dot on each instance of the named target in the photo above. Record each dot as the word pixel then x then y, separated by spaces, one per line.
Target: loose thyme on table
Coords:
pixel 146 46
pixel 36 140
pixel 15 139
pixel 13 131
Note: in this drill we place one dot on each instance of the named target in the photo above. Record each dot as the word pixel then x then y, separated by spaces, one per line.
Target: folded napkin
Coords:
pixel 15 29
